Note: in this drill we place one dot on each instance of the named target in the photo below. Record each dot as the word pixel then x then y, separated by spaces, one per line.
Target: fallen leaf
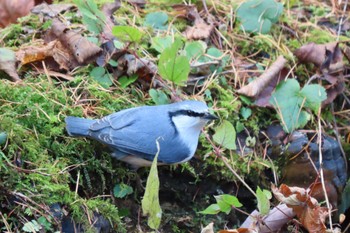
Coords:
pixel 314 53
pixel 138 3
pixel 83 50
pixel 130 65
pixel 198 31
pixel 11 10
pixel 209 228
pixel 51 10
pixel 329 59
pixel 263 98
pixel 8 63
pixel 55 55
pixel 311 215
pixel 108 9
pixel 270 75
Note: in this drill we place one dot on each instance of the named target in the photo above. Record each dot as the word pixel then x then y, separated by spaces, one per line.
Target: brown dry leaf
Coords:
pixel 130 65
pixel 198 31
pixel 209 228
pixel 314 53
pixel 108 9
pixel 51 10
pixel 329 58
pixel 83 50
pixel 311 215
pixel 270 75
pixel 34 53
pixel 55 55
pixel 8 63
pixel 11 10
pixel 239 230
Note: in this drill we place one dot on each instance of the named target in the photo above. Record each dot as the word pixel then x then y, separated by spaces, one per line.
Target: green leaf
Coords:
pixel 46 224
pixel 314 95
pixel 121 190
pixel 161 43
pixel 225 135
pixel 288 100
pixel 157 20
pixel 93 18
pixel 150 201
pixel 32 226
pixel 127 33
pixel 259 15
pixel 113 63
pixel 172 66
pixel 126 81
pixel 3 137
pixel 246 112
pixel 195 49
pixel 231 200
pixel 99 74
pixel 212 209
pixel 263 198
pixel 159 97
pixel 224 207
pixel 214 54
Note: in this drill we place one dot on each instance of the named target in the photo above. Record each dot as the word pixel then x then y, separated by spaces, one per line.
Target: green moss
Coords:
pixel 32 114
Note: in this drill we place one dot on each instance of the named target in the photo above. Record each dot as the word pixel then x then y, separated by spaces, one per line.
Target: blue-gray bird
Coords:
pixel 132 133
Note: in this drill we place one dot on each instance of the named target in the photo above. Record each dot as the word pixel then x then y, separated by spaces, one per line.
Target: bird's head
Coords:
pixel 190 114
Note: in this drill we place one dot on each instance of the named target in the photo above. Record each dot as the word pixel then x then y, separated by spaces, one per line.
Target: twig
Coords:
pixel 319 132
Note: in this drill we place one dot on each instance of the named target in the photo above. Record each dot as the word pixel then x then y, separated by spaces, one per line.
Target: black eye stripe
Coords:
pixel 186 113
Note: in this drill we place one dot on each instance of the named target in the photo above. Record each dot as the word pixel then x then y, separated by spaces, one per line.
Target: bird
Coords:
pixel 132 134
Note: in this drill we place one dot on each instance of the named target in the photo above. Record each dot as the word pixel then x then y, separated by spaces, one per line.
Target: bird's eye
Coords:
pixel 189 112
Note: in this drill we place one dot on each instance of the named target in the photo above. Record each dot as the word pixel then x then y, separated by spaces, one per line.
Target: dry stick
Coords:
pixel 342 18
pixel 319 132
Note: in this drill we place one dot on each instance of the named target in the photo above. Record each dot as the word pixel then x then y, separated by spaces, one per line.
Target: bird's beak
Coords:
pixel 210 117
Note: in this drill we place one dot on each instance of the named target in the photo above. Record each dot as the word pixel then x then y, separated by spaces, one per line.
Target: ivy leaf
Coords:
pixel 121 190
pixel 288 100
pixel 101 76
pixel 263 197
pixel 150 201
pixel 159 97
pixel 172 66
pixel 127 33
pixel 212 209
pixel 259 15
pixel 225 135
pixel 157 20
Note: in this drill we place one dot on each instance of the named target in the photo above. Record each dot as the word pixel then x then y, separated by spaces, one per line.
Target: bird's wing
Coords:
pixel 133 131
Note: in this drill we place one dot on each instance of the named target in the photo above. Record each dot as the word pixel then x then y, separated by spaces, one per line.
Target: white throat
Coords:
pixel 189 129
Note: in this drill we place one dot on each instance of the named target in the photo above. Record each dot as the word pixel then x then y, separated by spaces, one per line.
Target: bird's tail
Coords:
pixel 77 126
